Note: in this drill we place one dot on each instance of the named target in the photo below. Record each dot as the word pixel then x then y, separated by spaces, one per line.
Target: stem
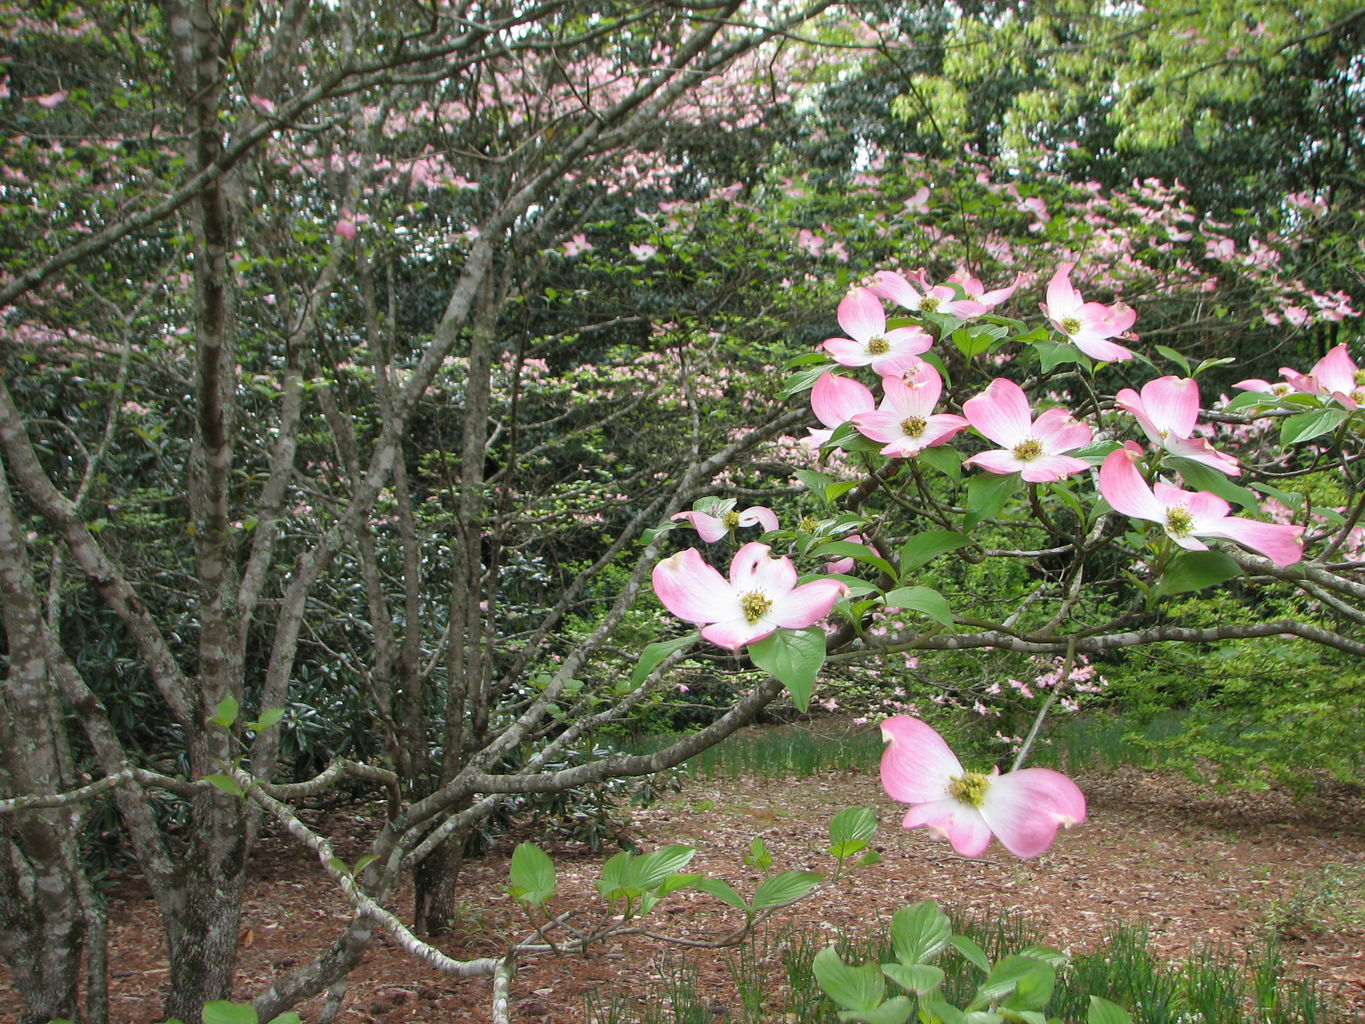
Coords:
pixel 1047 706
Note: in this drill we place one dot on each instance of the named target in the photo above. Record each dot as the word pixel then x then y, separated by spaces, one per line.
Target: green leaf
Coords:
pixel 226 712
pixel 893 1011
pixel 758 855
pixel 920 979
pixel 940 1009
pixel 532 874
pixel 1206 478
pixel 815 482
pixel 1014 977
pixel 1248 399
pixel 226 783
pixel 922 599
pixel 1175 357
pixel 612 882
pixel 1307 425
pixel 1102 1011
pixel 973 342
pixel 858 552
pixel 1055 957
pixel 1016 983
pixel 675 882
pixel 219 1012
pixel 794 658
pixel 723 891
pixel 288 1017
pixel 925 547
pixel 804 379
pixel 919 932
pixel 987 494
pixel 785 887
pixel 847 438
pixel 268 718
pixel 1195 570
pixel 853 988
pixel 850 830
pixel 650 658
pixel 1053 354
pixel 649 870
pixel 944 458
pixel 971 951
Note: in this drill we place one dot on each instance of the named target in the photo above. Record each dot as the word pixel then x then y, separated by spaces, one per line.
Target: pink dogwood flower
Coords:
pixel 1088 325
pixel 1167 410
pixel 1023 809
pixel 835 400
pixel 760 597
pixel 905 421
pixel 974 289
pixel 869 342
pixel 1334 375
pixel 577 244
pixel 925 298
pixel 712 528
pixel 1033 448
pixel 1189 515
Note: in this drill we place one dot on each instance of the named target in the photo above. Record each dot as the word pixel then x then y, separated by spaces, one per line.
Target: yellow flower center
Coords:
pixel 755 604
pixel 928 304
pixel 808 524
pixel 1070 325
pixel 731 520
pixel 1178 521
pixel 1026 451
pixel 969 787
pixel 914 426
pixel 1359 377
pixel 878 346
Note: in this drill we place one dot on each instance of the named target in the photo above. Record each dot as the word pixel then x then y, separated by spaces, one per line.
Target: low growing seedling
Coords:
pixel 1014 990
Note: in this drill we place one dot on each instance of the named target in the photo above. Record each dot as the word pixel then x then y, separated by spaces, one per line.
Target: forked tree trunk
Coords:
pixel 42 924
pixel 435 880
pixel 203 928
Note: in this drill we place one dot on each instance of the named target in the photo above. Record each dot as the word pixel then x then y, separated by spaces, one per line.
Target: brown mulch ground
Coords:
pixel 1193 867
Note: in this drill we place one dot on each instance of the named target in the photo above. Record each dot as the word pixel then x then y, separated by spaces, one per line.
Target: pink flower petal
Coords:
pixel 836 399
pixel 1123 487
pixel 709 528
pixel 805 605
pixel 1281 543
pixel 917 764
pixel 1047 469
pixel 1025 808
pixel 1100 349
pixel 691 589
pixel 1172 404
pixel 1059 431
pixel 759 515
pixel 753 568
pixel 959 823
pixel 1001 412
pixel 861 314
pixel 736 631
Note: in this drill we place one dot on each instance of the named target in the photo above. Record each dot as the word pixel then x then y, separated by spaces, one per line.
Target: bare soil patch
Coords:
pixel 1193 867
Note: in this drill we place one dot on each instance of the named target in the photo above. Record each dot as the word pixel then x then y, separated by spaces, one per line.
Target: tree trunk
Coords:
pixel 42 925
pixel 203 915
pixel 434 883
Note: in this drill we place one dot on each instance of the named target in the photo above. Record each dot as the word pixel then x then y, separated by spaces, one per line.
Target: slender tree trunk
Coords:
pixel 42 909
pixel 467 660
pixel 202 933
